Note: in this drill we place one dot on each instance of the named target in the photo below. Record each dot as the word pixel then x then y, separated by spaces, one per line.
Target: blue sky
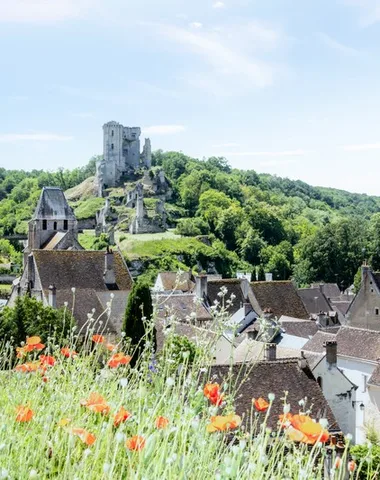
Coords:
pixel 290 87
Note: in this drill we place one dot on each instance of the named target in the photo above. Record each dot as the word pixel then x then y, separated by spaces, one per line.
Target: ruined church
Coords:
pixel 121 155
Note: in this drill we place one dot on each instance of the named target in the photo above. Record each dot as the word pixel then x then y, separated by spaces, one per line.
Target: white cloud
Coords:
pixel 230 55
pixel 335 45
pixel 195 25
pixel 41 11
pixel 369 11
pixel 283 153
pixel 218 5
pixel 361 147
pixel 163 129
pixel 33 137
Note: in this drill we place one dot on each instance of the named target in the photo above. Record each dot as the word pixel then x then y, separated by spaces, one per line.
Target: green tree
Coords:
pixel 261 274
pixel 139 306
pixel 30 317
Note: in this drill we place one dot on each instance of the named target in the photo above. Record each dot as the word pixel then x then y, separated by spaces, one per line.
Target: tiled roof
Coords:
pixel 193 333
pixel 375 377
pixel 84 271
pixel 258 379
pixel 252 351
pixel 314 300
pixel 233 286
pixel 298 327
pixel 181 306
pixel 316 343
pixel 352 342
pixel 52 204
pixel 79 269
pixel 376 276
pixel 177 281
pixel 281 297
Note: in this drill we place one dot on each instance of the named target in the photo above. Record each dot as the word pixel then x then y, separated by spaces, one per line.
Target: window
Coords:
pixel 44 224
pixel 112 133
pixel 65 224
pixel 376 311
pixel 319 381
pixel 371 290
pixel 112 146
pixel 55 226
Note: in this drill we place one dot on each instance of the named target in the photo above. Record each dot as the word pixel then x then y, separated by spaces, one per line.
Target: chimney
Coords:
pixel 302 361
pixel 331 353
pixel 201 286
pixel 52 296
pixel 269 277
pixel 109 272
pixel 247 308
pixel 270 352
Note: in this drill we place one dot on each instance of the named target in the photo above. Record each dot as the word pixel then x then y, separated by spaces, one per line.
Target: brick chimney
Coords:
pixel 201 286
pixel 365 271
pixel 109 271
pixel 270 352
pixel 269 277
pixel 331 353
pixel 52 296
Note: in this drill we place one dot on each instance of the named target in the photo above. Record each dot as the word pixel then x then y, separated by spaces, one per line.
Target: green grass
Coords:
pixel 88 208
pixel 45 449
pixel 86 239
pixel 4 287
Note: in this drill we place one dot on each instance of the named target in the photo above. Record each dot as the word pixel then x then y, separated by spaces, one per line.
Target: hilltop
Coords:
pixel 219 219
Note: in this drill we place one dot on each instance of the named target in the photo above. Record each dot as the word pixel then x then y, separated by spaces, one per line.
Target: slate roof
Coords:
pixel 233 286
pixel 181 306
pixel 52 204
pixel 281 297
pixel 258 379
pixel 314 300
pixel 177 281
pixel 375 377
pixel 252 351
pixel 298 327
pixel 376 276
pixel 353 342
pixel 328 289
pixel 84 271
pixel 316 343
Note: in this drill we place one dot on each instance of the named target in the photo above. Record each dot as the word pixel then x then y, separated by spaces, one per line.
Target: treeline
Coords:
pixel 275 224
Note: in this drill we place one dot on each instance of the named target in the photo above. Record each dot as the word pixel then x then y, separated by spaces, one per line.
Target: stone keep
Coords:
pixel 121 154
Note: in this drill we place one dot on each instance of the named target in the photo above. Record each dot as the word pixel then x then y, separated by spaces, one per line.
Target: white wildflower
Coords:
pixel 65 304
pixel 286 408
pixel 119 437
pixel 86 453
pixel 73 289
pixel 112 295
pixel 170 382
pixel 324 423
pixel 349 437
pixel 106 467
pixel 271 397
pixel 301 403
pixel 123 382
pixel 4 473
pixel 33 474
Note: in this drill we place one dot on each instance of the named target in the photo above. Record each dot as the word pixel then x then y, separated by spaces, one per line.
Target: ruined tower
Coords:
pixel 121 154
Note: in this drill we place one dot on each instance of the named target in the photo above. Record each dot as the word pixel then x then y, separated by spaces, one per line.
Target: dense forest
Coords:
pixel 271 224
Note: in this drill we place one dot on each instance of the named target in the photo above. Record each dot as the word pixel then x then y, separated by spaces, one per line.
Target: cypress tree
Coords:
pixel 139 305
pixel 261 274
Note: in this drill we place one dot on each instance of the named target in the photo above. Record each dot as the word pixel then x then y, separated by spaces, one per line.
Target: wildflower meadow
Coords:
pixel 76 408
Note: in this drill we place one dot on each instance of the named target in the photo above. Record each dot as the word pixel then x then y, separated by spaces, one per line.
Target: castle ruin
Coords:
pixel 121 155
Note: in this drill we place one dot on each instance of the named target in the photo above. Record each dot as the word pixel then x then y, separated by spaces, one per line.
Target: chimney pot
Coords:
pixel 270 352
pixel 52 296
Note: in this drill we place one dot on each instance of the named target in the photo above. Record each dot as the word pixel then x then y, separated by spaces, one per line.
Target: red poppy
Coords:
pixel 212 392
pixel 161 422
pixel 286 417
pixel 98 339
pixel 24 414
pixel 121 416
pixel 118 359
pixel 305 429
pixel 28 367
pixel 85 436
pixel 111 347
pixel 136 443
pixel 66 352
pixel 260 404
pixel 47 360
pixel 96 403
pixel 351 466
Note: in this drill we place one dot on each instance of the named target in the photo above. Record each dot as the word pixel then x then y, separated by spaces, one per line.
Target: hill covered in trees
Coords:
pixel 254 222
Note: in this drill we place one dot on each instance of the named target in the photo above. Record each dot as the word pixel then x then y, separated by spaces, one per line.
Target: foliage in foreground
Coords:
pixel 73 412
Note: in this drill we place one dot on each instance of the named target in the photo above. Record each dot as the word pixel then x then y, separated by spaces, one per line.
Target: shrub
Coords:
pixel 369 460
pixel 191 227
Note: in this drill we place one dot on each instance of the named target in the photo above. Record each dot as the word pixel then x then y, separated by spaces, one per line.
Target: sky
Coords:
pixel 288 87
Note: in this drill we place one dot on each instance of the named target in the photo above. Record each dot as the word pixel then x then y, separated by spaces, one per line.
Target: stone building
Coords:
pixel 142 222
pixel 53 225
pixel 364 311
pixel 121 154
